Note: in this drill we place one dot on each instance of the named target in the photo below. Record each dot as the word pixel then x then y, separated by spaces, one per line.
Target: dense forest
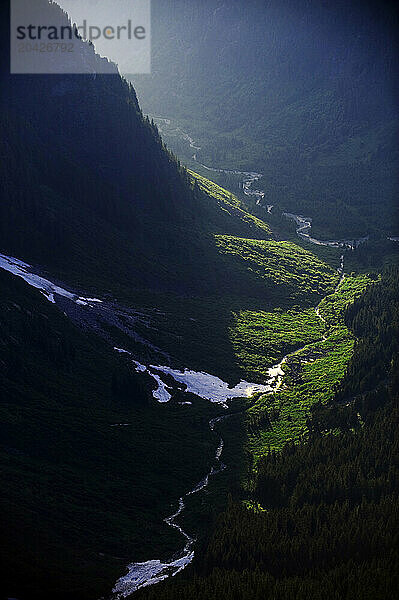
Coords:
pixel 81 494
pixel 324 516
pixel 190 275
pixel 301 91
pixel 82 169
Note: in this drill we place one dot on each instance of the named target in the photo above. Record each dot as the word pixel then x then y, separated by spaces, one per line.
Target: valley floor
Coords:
pixel 266 361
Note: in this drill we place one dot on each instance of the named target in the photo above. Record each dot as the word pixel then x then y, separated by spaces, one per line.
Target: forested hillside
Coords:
pixel 323 520
pixel 85 175
pixel 91 196
pixel 81 493
pixel 301 91
pixel 289 491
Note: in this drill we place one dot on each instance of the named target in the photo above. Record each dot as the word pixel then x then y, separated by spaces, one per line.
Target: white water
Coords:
pixel 150 572
pixel 46 287
pixel 304 225
pixel 248 177
pixel 147 573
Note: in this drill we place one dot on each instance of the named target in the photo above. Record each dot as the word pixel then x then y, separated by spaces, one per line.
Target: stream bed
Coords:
pixel 248 179
pixel 150 572
pixel 201 384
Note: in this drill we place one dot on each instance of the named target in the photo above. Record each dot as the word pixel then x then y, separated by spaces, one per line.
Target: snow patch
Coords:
pixel 161 392
pixel 210 387
pixel 206 386
pixel 46 287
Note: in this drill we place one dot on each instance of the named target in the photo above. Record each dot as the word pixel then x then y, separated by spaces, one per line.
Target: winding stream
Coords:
pixel 248 178
pixel 204 385
pixel 142 574
pixel 201 384
pixel 304 225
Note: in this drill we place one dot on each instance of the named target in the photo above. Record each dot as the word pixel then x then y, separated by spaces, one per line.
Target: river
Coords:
pixel 204 385
pixel 90 312
pixel 150 572
pixel 142 574
pixel 248 179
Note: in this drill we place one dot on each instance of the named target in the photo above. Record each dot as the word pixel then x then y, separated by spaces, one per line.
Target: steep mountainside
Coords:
pixel 84 175
pixel 112 408
pixel 323 519
pixel 301 91
pixel 89 461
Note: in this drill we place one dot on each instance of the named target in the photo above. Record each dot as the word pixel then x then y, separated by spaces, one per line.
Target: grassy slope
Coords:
pixel 261 338
pixel 291 270
pixel 312 380
pixel 214 331
pixel 165 448
pixel 230 204
pixel 329 526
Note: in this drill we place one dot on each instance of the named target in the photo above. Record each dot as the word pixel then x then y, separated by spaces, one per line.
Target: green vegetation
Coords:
pixel 90 463
pixel 223 333
pixel 312 375
pixel 286 267
pixel 260 339
pixel 230 204
pixel 332 308
pixel 321 520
